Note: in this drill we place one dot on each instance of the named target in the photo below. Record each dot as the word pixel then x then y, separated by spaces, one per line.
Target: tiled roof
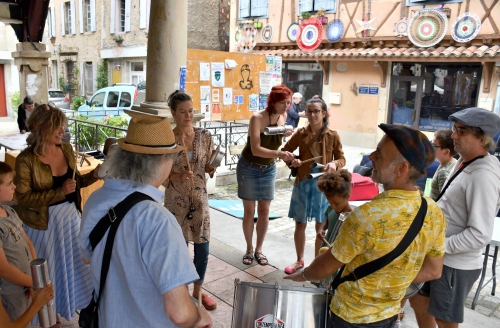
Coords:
pixel 391 52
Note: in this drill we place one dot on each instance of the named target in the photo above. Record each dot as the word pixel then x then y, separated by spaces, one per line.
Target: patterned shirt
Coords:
pixel 373 230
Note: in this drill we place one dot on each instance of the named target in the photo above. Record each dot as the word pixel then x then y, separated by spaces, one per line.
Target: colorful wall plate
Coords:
pixel 335 30
pixel 427 27
pixel 311 34
pixel 293 31
pixel 267 33
pixel 466 27
pixel 401 27
pixel 245 37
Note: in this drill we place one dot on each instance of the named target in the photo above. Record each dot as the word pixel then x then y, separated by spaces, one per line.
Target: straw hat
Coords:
pixel 149 134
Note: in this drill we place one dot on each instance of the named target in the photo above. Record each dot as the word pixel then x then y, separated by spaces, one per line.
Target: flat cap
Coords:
pixel 477 117
pixel 412 144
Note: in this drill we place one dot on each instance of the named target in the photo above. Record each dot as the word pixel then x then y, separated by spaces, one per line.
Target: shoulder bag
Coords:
pixel 89 316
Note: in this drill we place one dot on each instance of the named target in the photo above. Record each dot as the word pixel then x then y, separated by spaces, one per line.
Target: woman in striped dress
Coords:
pixel 49 205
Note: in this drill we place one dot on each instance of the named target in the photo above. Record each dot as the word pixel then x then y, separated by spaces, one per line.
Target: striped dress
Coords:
pixel 58 244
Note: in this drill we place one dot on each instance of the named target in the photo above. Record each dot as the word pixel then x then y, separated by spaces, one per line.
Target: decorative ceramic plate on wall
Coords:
pixel 267 33
pixel 334 30
pixel 427 27
pixel 245 37
pixel 293 31
pixel 466 27
pixel 401 27
pixel 311 34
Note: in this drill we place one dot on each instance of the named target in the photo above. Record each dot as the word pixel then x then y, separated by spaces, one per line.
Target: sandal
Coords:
pixel 294 267
pixel 261 258
pixel 248 258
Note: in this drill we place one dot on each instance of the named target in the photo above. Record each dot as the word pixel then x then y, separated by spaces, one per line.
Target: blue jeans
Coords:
pixel 337 322
pixel 200 260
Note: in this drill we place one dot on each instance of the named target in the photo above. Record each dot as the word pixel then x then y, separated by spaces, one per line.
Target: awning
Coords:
pixel 27 18
pixel 483 53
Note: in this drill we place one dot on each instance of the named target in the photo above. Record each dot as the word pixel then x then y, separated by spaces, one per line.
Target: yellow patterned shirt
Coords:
pixel 373 230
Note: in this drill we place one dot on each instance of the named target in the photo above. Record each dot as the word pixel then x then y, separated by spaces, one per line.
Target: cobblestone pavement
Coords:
pixel 487 304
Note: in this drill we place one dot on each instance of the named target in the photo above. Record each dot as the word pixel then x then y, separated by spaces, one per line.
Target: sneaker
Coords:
pixel 208 302
pixel 294 267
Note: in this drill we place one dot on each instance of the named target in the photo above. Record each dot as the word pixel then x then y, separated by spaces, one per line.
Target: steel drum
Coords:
pixel 217 157
pixel 412 290
pixel 279 306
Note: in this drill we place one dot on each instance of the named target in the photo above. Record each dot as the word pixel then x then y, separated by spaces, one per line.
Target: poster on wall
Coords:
pixel 218 74
pixel 238 100
pixel 205 94
pixel 216 114
pixel 277 64
pixel 204 72
pixel 269 63
pixel 205 110
pixel 182 78
pixel 267 81
pixel 215 95
pixel 263 101
pixel 253 102
pixel 227 98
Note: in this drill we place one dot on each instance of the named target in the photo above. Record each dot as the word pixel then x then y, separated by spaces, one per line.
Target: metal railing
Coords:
pixel 91 136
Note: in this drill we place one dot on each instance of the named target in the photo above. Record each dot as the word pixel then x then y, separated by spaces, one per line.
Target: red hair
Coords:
pixel 278 93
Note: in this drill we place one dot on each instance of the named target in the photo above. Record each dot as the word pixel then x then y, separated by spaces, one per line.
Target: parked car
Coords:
pixel 59 98
pixel 141 86
pixel 110 100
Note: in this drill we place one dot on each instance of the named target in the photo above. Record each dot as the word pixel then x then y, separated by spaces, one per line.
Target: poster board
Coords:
pixel 226 92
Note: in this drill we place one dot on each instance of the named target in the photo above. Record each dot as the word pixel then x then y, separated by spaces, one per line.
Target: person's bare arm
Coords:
pixel 12 273
pixel 430 270
pixel 180 308
pixel 256 123
pixel 322 267
pixel 30 244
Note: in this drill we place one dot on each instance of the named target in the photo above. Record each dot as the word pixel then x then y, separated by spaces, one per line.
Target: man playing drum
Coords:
pixel 376 228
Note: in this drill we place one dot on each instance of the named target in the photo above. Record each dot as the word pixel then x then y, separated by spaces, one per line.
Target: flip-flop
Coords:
pixel 248 258
pixel 261 258
pixel 291 268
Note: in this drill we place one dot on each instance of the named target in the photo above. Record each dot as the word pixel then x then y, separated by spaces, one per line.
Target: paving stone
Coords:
pixel 483 310
pixel 228 254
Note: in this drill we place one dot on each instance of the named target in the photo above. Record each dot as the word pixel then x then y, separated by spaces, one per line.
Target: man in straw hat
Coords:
pixel 375 228
pixel 470 200
pixel 150 265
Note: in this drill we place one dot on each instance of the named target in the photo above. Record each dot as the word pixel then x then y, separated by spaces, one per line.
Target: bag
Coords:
pixel 88 316
pixel 363 170
pixel 363 188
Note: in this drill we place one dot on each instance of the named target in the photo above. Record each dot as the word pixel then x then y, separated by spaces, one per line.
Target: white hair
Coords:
pixel 297 95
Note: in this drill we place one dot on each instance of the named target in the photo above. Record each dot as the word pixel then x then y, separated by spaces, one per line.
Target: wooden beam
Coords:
pixel 488 68
pixel 325 66
pixel 382 68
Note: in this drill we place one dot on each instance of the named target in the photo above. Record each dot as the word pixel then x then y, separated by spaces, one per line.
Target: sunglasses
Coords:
pixel 460 130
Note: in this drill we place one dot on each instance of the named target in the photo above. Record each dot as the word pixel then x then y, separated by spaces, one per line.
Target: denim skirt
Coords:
pixel 307 202
pixel 255 182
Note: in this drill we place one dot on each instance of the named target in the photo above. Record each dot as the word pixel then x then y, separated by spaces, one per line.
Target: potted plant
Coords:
pixel 257 24
pixel 118 39
pixel 320 15
pixel 303 16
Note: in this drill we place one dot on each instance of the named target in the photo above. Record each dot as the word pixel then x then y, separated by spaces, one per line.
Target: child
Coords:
pixel 16 251
pixel 444 154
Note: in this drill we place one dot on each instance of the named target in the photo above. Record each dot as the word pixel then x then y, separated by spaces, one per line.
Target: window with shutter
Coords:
pixel 67 18
pixel 429 2
pixel 253 8
pixel 330 6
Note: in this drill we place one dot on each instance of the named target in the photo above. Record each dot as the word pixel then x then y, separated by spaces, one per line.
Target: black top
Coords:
pixel 21 117
pixel 57 182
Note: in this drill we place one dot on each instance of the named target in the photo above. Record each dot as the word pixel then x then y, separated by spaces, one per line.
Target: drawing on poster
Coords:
pixel 218 74
pixel 277 64
pixel 227 98
pixel 216 114
pixel 263 101
pixel 204 72
pixel 205 110
pixel 253 102
pixel 205 93
pixel 215 96
pixel 269 63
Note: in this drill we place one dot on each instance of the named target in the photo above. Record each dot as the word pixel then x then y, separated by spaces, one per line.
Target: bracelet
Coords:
pixel 279 153
pixel 304 274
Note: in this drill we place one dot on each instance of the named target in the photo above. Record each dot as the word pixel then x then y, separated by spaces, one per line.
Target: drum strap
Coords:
pixel 375 265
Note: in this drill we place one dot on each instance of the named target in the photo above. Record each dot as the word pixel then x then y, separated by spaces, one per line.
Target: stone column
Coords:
pixel 32 64
pixel 167 52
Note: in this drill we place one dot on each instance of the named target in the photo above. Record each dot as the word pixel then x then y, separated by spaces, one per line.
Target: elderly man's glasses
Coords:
pixel 313 112
pixel 460 130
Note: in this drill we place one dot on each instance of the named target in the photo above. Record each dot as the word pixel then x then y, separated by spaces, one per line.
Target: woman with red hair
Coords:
pixel 256 170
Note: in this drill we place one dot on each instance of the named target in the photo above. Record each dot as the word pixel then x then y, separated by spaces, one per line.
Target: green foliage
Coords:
pixel 15 99
pixel 87 132
pixel 75 82
pixel 78 101
pixel 306 15
pixel 102 74
pixel 62 85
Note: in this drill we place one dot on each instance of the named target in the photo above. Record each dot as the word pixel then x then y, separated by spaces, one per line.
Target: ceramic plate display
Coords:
pixel 401 27
pixel 427 27
pixel 466 27
pixel 334 30
pixel 311 34
pixel 267 33
pixel 245 37
pixel 293 31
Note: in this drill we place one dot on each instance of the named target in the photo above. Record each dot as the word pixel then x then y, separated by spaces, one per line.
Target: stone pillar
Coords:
pixel 167 52
pixel 32 65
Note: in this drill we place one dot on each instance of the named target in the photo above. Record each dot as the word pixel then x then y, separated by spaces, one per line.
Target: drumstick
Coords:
pixel 310 160
pixel 76 162
pixel 199 299
pixel 326 242
pixel 186 154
